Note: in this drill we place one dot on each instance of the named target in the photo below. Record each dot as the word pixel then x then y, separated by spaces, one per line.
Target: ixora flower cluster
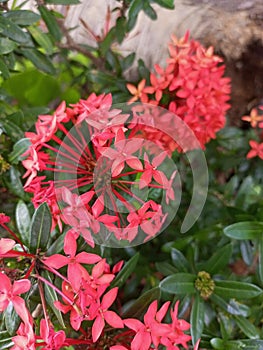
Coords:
pixel 256 121
pixel 99 168
pixel 87 295
pixel 191 85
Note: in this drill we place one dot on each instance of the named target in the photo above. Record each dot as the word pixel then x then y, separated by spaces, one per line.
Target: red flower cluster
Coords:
pixel 87 295
pixel 256 121
pixel 103 163
pixel 191 85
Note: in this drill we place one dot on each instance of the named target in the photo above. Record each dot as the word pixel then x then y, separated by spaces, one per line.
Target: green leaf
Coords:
pixel 260 258
pixel 57 246
pixel 226 325
pixel 125 272
pixel 180 261
pixel 6 46
pixel 19 148
pixel 179 283
pixel 22 17
pixel 23 221
pixel 135 7
pixel 120 29
pixel 4 69
pixel 51 297
pixel 232 307
pixel 12 320
pixel 6 343
pixel 169 4
pixel 42 39
pixel 62 2
pixel 12 181
pixel 197 318
pixel 127 61
pixel 236 290
pixel 165 268
pixel 219 260
pixel 247 327
pixel 40 61
pixel 51 22
pixel 244 230
pixel 140 305
pixel 12 129
pixel 149 11
pixel 12 31
pixel 40 228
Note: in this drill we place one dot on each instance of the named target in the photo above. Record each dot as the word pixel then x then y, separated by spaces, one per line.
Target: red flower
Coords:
pixel 10 293
pixel 4 219
pixel 256 149
pixel 103 314
pixel 54 340
pixel 25 338
pixel 75 270
pixel 148 332
pixel 6 244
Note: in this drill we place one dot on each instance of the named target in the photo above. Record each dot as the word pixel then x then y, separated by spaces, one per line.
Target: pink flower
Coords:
pixel 75 270
pixel 25 338
pixel 4 219
pixel 151 330
pixel 256 150
pixel 103 314
pixel 123 153
pixel 54 340
pixel 10 293
pixel 151 170
pixel 6 244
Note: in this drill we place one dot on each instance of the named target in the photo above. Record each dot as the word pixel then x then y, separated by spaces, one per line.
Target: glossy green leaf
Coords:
pixel 134 9
pixel 12 129
pixel 179 283
pixel 13 183
pixel 6 46
pixel 226 325
pixel 19 148
pixel 12 320
pixel 42 39
pixel 120 29
pixel 51 22
pixel 180 261
pixel 137 308
pixel 247 251
pixel 4 69
pixel 197 318
pixel 6 343
pixel 23 221
pixel 125 272
pixel 247 327
pixel 127 61
pixel 236 290
pixel 40 228
pixel 12 31
pixel 51 297
pixel 57 246
pixel 22 17
pixel 219 259
pixel 169 4
pixel 244 230
pixel 40 61
pixel 165 268
pixel 149 11
pixel 232 306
